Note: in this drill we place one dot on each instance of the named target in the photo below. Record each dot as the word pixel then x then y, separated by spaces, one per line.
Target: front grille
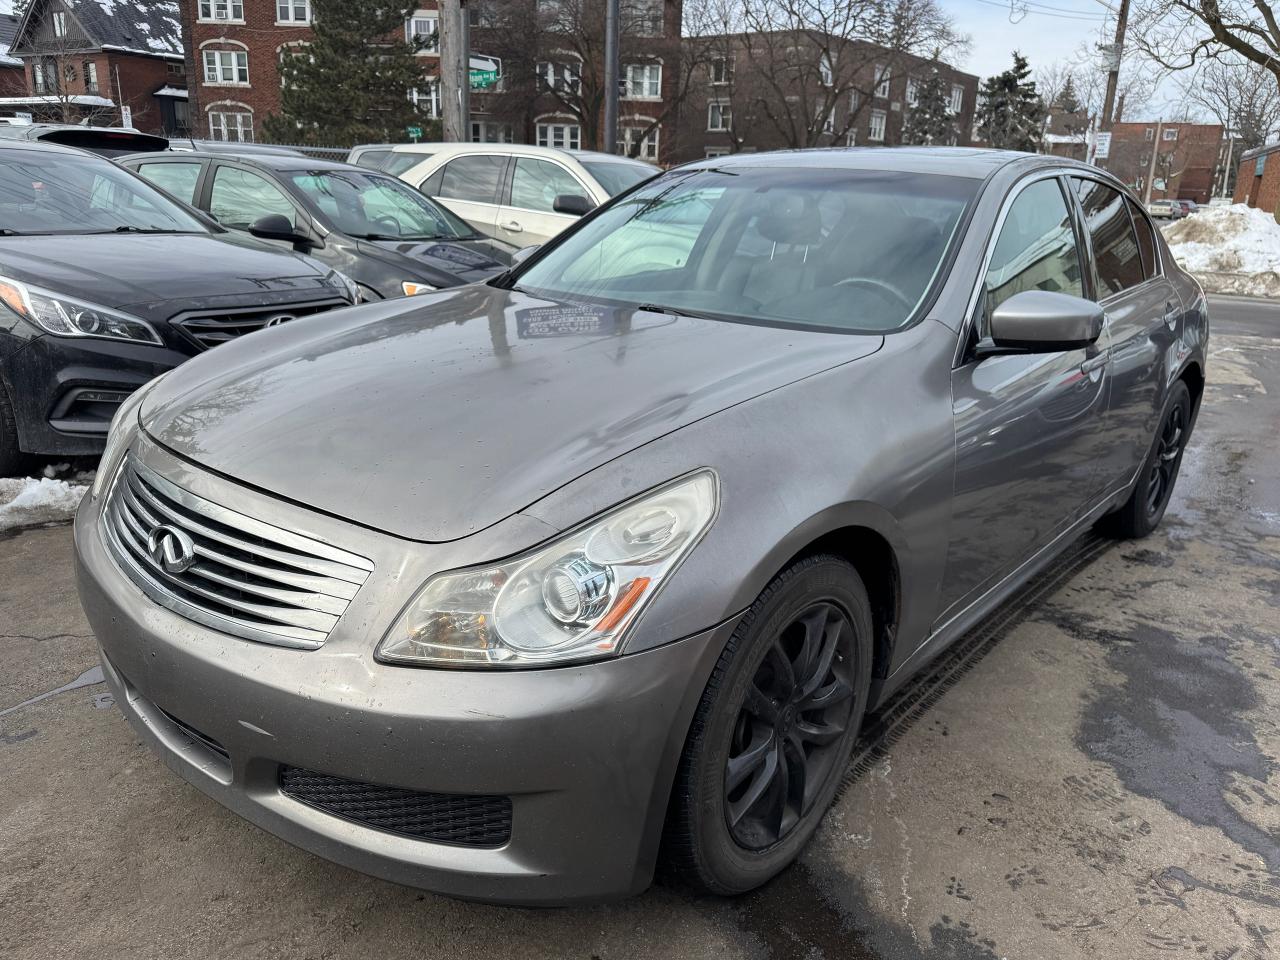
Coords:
pixel 194 735
pixel 245 577
pixel 471 821
pixel 207 330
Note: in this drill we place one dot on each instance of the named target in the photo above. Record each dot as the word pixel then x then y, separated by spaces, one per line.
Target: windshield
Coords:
pixel 371 205
pixel 43 191
pixel 839 249
pixel 615 176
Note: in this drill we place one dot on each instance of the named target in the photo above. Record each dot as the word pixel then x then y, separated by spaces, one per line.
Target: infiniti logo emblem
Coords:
pixel 171 549
pixel 278 319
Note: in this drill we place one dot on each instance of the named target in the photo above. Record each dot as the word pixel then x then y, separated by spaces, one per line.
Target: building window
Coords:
pixel 716 152
pixel 1150 133
pixel 43 77
pixel 641 18
pixel 719 116
pixel 487 131
pixel 876 133
pixel 957 98
pixel 423 31
pixel 231 126
pixel 562 136
pixel 913 91
pixel 722 70
pixel 226 67
pixel 59 24
pixel 882 81
pixel 221 9
pixel 561 76
pixel 90 77
pixel 851 137
pixel 648 149
pixel 293 11
pixel 826 71
pixel 643 81
pixel 427 100
pixel 177 68
pixel 1171 133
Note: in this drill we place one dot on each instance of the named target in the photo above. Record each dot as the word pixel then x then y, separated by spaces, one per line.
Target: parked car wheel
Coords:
pixel 1144 509
pixel 12 460
pixel 772 735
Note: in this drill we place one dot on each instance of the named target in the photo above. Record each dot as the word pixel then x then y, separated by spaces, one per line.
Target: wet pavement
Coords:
pixel 1094 772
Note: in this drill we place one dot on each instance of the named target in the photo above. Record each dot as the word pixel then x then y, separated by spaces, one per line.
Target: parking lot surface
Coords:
pixel 1095 772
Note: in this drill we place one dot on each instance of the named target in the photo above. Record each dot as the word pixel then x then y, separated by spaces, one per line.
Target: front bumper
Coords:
pixel 586 753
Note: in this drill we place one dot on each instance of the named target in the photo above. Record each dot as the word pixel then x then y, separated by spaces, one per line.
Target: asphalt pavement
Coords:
pixel 1094 772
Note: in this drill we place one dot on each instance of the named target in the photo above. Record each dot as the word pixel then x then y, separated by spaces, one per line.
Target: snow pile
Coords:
pixel 1232 249
pixel 29 501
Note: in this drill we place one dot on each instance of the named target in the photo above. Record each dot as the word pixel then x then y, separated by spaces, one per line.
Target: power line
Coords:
pixel 1037 9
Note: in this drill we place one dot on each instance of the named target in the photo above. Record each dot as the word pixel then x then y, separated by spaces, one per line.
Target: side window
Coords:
pixel 537 183
pixel 1115 245
pixel 178 179
pixel 239 197
pixel 1036 249
pixel 471 178
pixel 1146 240
pixel 373 159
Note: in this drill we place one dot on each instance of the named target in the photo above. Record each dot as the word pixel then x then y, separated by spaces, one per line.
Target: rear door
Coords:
pixel 1027 425
pixel 178 178
pixel 1143 314
pixel 528 216
pixel 238 196
pixel 470 186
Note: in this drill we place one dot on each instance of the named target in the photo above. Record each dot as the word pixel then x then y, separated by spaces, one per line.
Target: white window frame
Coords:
pixel 563 75
pixel 480 130
pixel 220 126
pixel 411 30
pixel 291 7
pixel 1169 133
pixel 221 11
pixel 1150 133
pixel 431 97
pixel 649 147
pixel 59 23
pixel 913 92
pixel 719 116
pixel 559 135
pixel 826 71
pixel 882 79
pixel 877 125
pixel 722 71
pixel 642 81
pixel 956 103
pixel 91 76
pixel 715 152
pixel 221 64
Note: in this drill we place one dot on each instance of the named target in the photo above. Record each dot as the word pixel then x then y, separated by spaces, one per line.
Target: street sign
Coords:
pixel 485 72
pixel 483 79
pixel 415 133
pixel 22 117
pixel 1103 146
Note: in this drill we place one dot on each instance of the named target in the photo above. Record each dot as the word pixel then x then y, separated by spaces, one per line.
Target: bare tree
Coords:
pixel 1238 94
pixel 1183 34
pixel 63 72
pixel 1139 78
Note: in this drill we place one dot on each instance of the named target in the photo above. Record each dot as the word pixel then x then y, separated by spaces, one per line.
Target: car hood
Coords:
pixel 467 261
pixel 119 270
pixel 436 417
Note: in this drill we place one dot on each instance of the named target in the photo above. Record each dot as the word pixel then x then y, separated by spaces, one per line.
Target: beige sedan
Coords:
pixel 522 194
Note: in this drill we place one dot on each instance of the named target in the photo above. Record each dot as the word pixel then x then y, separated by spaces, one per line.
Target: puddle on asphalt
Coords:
pixel 86 679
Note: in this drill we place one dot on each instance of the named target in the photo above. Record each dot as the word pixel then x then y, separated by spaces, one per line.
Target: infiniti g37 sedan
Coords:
pixel 523 590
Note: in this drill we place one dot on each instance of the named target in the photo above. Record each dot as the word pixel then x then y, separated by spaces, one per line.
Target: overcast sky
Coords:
pixel 1041 36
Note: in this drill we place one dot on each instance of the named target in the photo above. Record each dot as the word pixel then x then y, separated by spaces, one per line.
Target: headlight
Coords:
pixel 412 289
pixel 350 289
pixel 68 317
pixel 568 601
pixel 124 427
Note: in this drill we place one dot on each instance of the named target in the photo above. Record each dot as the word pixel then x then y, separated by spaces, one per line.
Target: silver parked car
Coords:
pixel 518 590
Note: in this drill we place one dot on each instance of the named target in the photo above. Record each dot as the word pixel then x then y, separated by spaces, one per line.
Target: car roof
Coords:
pixel 972 162
pixel 45 147
pixel 524 148
pixel 272 161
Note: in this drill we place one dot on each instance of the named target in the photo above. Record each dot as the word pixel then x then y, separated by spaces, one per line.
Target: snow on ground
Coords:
pixel 1232 249
pixel 28 501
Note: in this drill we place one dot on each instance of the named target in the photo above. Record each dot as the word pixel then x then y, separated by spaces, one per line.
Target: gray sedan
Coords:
pixel 520 590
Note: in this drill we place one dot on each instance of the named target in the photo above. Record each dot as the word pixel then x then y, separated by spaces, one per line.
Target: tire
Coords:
pixel 716 840
pixel 1143 511
pixel 13 461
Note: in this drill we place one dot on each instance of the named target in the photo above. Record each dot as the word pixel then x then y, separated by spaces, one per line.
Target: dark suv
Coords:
pixel 106 282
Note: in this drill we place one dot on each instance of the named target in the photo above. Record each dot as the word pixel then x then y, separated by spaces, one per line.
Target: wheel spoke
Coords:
pixel 822 666
pixel 819 732
pixel 778 798
pixel 786 674
pixel 759 704
pixel 768 773
pixel 748 762
pixel 814 624
pixel 826 697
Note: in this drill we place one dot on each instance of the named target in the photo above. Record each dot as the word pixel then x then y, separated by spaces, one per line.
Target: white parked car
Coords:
pixel 1166 209
pixel 522 194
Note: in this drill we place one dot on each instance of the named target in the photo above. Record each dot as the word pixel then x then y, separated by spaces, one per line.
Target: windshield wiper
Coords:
pixel 130 228
pixel 8 232
pixel 669 311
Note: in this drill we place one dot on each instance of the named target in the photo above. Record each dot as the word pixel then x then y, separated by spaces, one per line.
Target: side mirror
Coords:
pixel 521 255
pixel 275 226
pixel 574 204
pixel 1040 321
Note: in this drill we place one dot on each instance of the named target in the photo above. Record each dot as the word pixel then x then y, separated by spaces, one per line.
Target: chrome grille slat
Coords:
pixel 246 577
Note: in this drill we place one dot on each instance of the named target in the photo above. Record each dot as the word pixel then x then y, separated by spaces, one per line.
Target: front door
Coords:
pixel 529 216
pixel 1027 426
pixel 469 185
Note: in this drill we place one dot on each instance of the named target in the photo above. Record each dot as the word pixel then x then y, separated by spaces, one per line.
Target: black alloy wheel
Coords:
pixel 1164 466
pixel 789 726
pixel 1153 489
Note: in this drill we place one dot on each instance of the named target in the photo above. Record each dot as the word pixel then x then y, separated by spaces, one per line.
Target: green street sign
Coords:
pixel 483 79
pixel 415 133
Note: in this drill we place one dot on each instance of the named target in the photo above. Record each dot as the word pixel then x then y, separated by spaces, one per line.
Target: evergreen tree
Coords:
pixel 1068 102
pixel 1010 111
pixel 352 82
pixel 930 121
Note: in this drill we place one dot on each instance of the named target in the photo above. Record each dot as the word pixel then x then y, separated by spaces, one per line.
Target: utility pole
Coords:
pixel 1151 170
pixel 1113 74
pixel 611 17
pixel 455 74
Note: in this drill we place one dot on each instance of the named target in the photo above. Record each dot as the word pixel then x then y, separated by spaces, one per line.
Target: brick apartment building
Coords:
pixel 1182 161
pixel 1258 179
pixel 548 62
pixel 101 61
pixel 13 73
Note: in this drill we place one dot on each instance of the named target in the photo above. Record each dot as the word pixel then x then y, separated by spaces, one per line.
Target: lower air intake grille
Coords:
pixel 469 821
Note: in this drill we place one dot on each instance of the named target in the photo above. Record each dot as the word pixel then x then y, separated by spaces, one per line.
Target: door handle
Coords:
pixel 513 227
pixel 1094 363
pixel 1170 316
